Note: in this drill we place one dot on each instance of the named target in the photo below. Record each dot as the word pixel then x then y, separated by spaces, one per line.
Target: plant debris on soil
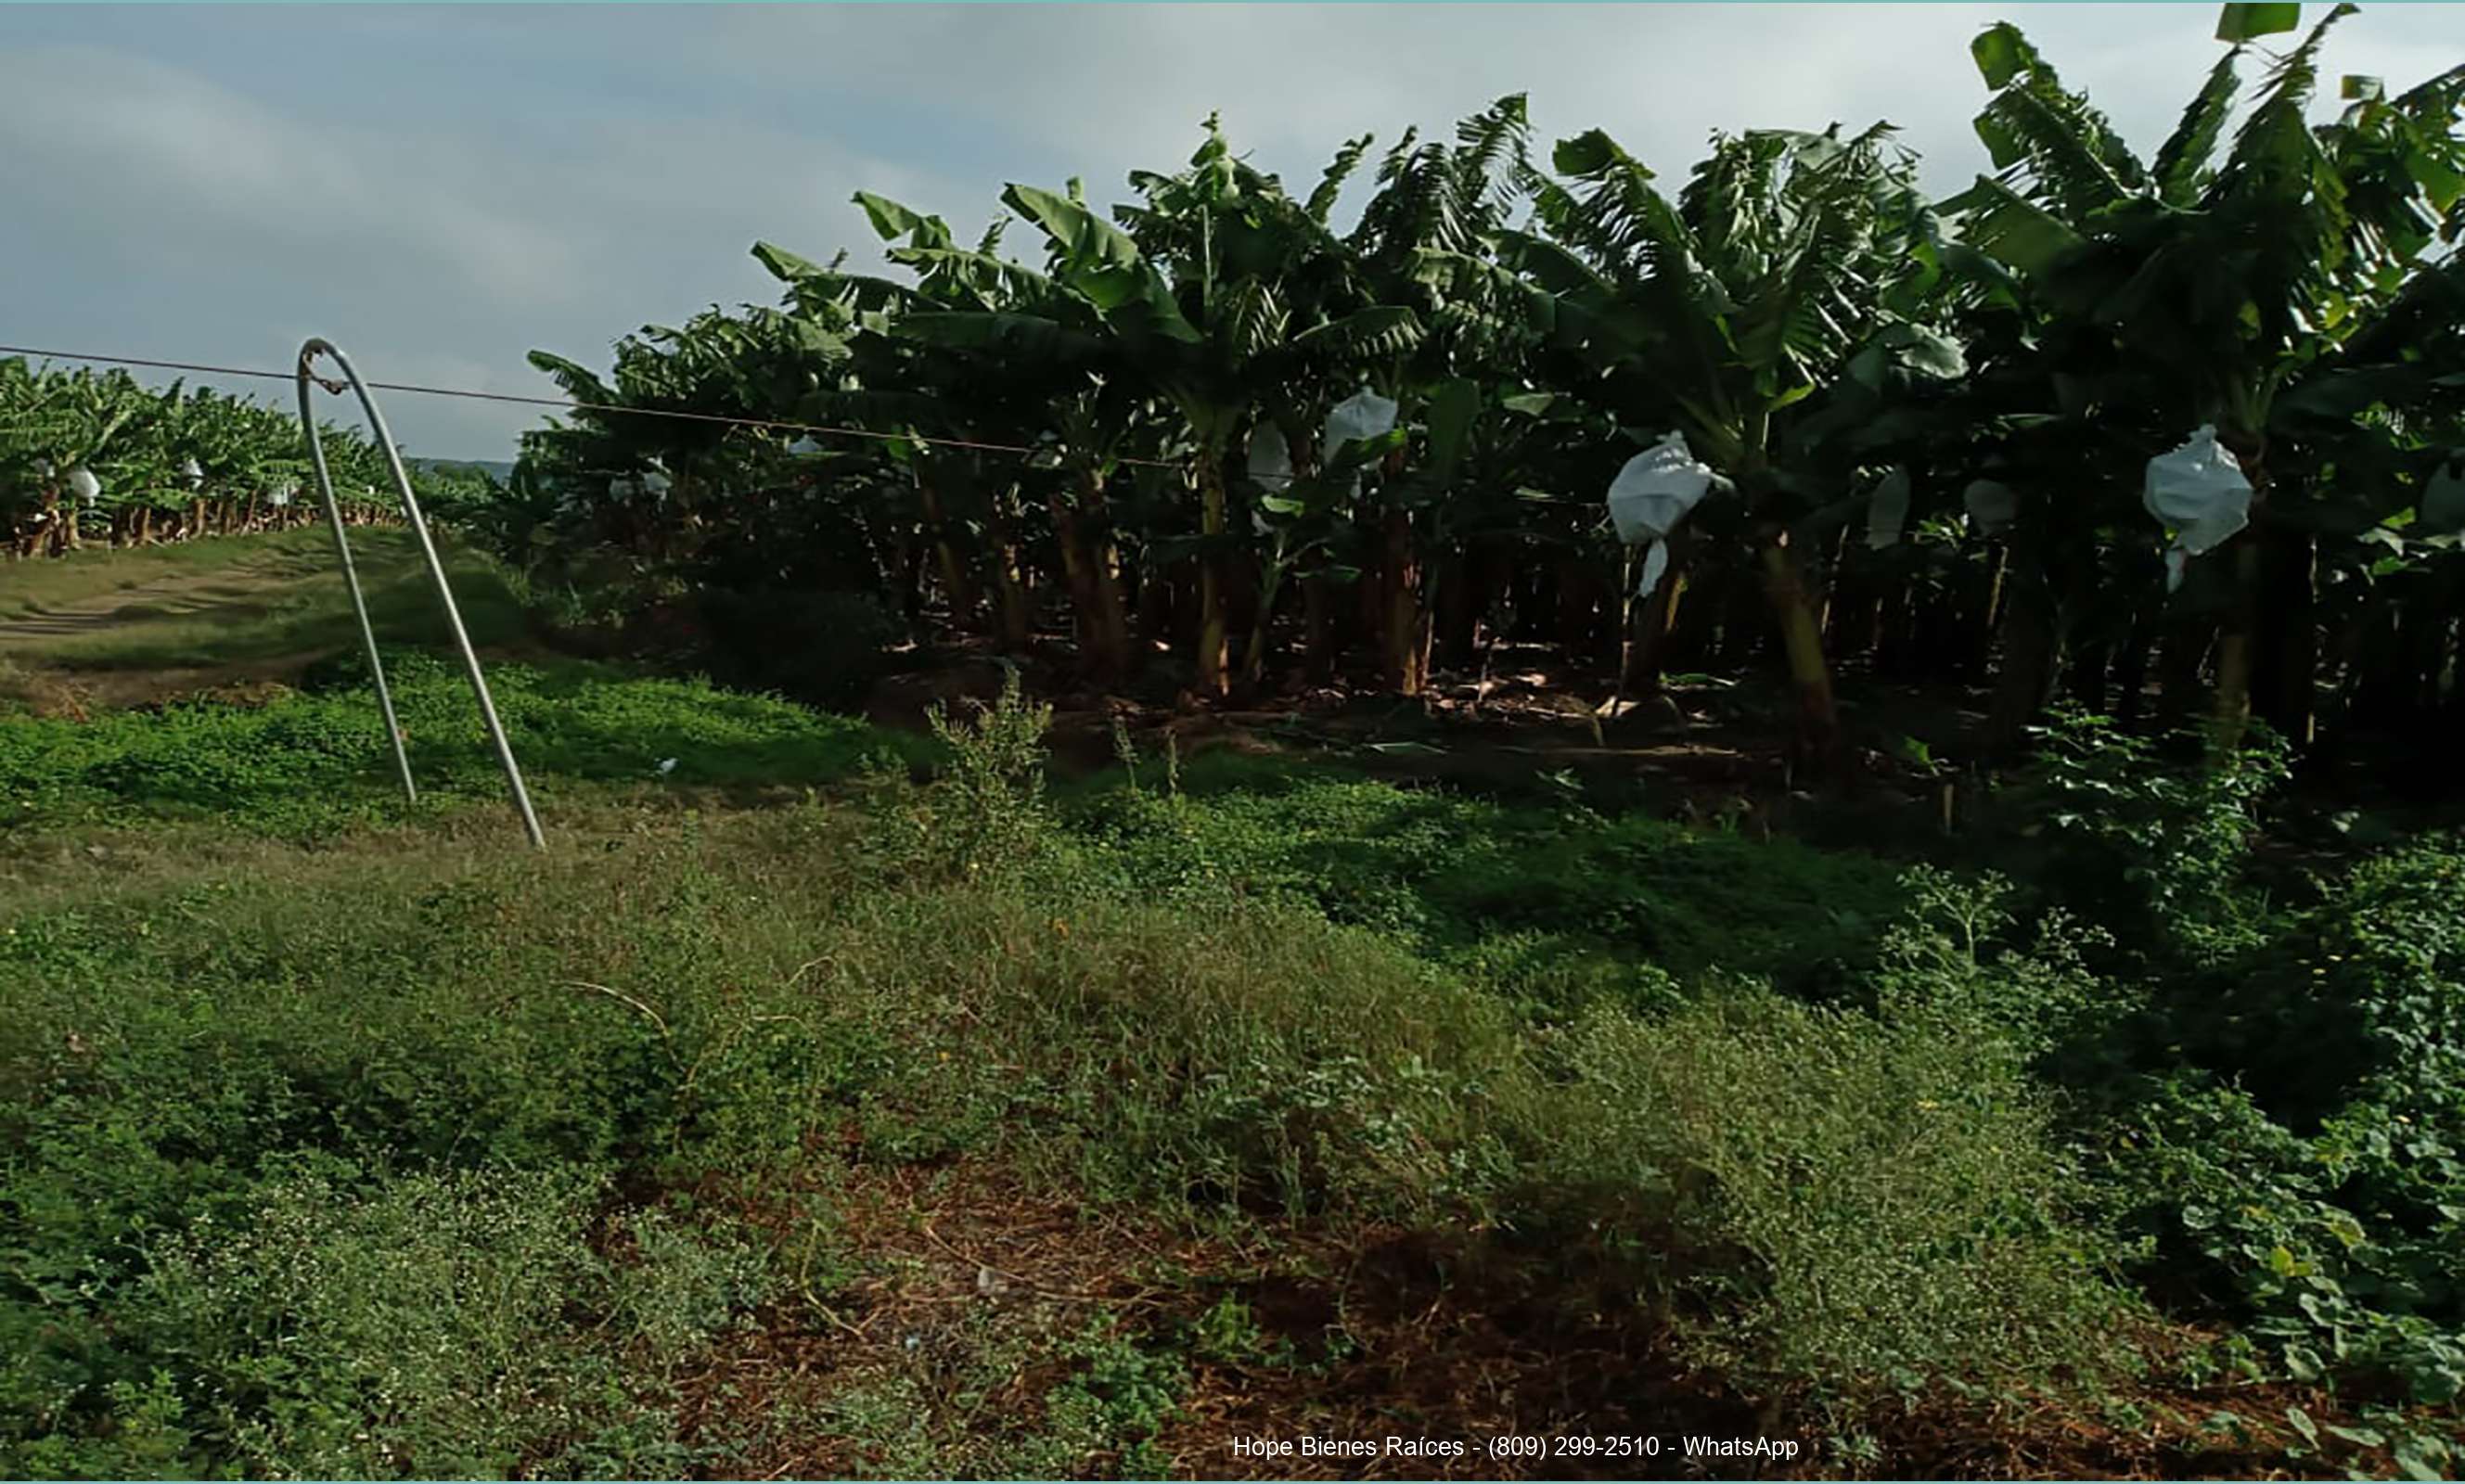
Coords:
pixel 1363 1335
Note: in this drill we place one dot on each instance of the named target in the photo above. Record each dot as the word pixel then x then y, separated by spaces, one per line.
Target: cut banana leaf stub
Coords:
pixel 2198 492
pixel 1651 496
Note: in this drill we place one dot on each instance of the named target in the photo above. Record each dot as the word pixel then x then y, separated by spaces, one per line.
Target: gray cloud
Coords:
pixel 443 189
pixel 159 214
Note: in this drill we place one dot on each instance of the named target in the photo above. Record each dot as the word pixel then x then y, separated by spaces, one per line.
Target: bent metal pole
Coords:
pixel 308 354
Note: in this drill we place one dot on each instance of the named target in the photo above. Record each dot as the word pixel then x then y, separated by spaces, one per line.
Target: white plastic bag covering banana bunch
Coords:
pixel 1993 506
pixel 1887 510
pixel 1271 458
pixel 1365 414
pixel 1271 468
pixel 85 485
pixel 1651 496
pixel 2442 511
pixel 2198 492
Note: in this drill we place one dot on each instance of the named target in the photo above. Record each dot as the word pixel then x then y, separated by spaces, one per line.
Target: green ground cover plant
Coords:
pixel 244 1101
pixel 243 1106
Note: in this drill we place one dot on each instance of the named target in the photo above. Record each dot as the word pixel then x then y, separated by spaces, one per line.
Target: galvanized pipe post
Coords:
pixel 308 353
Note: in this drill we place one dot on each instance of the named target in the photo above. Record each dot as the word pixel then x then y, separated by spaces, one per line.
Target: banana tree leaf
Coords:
pixel 1030 337
pixel 575 380
pixel 2334 396
pixel 1591 153
pixel 972 264
pixel 1453 408
pixel 2354 516
pixel 2017 232
pixel 2240 23
pixel 1080 232
pixel 2001 53
pixel 892 221
pixel 787 266
pixel 1380 330
pixel 1179 549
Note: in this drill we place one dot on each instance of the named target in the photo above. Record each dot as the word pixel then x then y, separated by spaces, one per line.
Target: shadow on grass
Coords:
pixel 49 583
pixel 305 616
pixel 1463 876
pixel 318 758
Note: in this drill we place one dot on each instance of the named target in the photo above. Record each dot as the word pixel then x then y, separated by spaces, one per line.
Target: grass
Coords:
pixel 307 755
pixel 265 598
pixel 97 572
pixel 792 1115
pixel 1554 903
pixel 306 1073
pixel 310 763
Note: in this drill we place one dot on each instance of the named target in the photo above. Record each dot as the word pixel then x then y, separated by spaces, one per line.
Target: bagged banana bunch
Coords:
pixel 1887 510
pixel 2442 511
pixel 1365 414
pixel 1270 469
pixel 1651 496
pixel 1993 506
pixel 2198 492
pixel 1271 458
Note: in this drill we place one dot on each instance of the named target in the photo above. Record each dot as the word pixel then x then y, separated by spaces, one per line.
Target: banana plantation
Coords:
pixel 2173 438
pixel 1978 993
pixel 89 457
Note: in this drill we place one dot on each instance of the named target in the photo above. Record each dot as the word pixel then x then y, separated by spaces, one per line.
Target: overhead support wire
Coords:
pixel 564 405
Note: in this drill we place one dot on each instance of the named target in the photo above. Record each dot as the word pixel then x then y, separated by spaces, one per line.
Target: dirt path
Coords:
pixel 178 594
pixel 43 644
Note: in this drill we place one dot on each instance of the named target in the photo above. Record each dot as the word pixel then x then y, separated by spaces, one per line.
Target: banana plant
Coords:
pixel 1215 290
pixel 2273 291
pixel 1729 315
pixel 1305 524
pixel 1436 201
pixel 69 425
pixel 936 395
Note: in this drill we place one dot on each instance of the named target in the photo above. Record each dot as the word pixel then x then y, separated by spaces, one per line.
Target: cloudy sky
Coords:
pixel 439 190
